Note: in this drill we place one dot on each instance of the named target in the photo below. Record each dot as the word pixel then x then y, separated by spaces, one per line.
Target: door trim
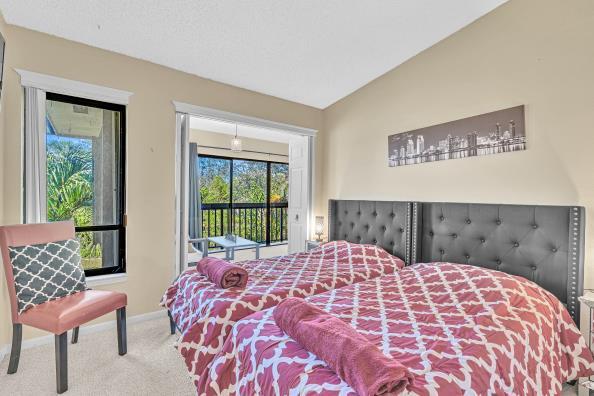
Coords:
pixel 220 115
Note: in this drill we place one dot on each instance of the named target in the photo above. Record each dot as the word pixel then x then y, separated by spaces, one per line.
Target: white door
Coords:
pixel 182 196
pixel 298 192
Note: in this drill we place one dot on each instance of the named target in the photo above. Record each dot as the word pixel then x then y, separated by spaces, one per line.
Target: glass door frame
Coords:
pixel 231 203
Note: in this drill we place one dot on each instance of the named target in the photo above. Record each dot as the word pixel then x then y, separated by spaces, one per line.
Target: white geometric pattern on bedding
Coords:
pixel 459 329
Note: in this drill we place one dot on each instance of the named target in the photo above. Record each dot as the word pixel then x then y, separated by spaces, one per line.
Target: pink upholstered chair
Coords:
pixel 57 316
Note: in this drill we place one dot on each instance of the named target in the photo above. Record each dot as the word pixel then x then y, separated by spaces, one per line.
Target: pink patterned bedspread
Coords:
pixel 459 329
pixel 205 314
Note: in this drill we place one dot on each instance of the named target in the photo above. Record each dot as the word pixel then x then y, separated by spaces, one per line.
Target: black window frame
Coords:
pixel 120 225
pixel 268 204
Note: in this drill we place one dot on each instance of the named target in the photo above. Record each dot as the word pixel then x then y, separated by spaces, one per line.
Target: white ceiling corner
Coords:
pixel 307 51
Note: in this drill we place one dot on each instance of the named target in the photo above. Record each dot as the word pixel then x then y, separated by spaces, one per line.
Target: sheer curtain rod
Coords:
pixel 243 151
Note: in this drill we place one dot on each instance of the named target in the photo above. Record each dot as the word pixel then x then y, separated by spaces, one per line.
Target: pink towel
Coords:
pixel 352 356
pixel 222 273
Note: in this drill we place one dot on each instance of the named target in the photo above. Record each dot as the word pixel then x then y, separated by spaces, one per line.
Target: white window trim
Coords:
pixel 48 83
pixel 108 279
pixel 79 89
pixel 220 115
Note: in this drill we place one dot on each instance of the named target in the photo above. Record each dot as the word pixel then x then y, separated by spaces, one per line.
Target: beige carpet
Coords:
pixel 151 367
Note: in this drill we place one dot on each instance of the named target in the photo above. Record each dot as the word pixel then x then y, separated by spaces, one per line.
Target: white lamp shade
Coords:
pixel 319 226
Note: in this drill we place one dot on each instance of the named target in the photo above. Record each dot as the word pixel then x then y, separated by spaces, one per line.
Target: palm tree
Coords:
pixel 70 188
pixel 69 179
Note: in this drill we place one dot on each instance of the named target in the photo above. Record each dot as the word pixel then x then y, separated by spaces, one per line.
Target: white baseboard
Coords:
pixel 95 328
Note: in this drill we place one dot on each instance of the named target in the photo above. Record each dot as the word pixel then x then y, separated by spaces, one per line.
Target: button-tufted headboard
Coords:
pixel 544 244
pixel 386 224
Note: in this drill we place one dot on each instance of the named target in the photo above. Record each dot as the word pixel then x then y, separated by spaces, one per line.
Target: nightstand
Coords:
pixel 309 245
pixel 587 301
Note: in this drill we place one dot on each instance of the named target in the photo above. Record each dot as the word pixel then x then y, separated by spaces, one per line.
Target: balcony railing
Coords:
pixel 254 221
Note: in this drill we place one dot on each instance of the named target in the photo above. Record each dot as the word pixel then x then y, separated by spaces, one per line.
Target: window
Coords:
pixel 279 193
pixel 249 181
pixel 85 171
pixel 215 180
pixel 244 197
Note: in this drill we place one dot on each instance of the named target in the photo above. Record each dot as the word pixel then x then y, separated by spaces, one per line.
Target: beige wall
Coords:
pixel 534 52
pixel 205 138
pixel 151 126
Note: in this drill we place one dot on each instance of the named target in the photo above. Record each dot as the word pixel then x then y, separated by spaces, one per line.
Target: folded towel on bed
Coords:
pixel 353 357
pixel 222 273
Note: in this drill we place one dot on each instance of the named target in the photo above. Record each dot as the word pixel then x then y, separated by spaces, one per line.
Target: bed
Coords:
pixel 205 314
pixel 499 317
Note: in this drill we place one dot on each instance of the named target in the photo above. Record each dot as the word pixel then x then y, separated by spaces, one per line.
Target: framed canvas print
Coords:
pixel 497 132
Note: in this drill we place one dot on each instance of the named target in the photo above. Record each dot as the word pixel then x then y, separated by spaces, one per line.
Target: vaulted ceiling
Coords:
pixel 313 52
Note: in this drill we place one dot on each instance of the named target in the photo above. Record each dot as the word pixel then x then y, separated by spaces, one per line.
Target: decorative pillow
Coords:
pixel 46 272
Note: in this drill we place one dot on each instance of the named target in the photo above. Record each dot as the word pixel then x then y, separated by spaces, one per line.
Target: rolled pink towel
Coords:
pixel 222 273
pixel 352 356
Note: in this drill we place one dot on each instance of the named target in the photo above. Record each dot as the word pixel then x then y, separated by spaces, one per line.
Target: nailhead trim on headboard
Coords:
pixel 415 232
pixel 574 288
pixel 408 238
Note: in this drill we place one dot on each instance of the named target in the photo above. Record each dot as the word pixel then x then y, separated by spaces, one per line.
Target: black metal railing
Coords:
pixel 254 221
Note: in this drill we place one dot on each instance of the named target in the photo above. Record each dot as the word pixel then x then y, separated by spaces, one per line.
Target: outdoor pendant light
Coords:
pixel 236 142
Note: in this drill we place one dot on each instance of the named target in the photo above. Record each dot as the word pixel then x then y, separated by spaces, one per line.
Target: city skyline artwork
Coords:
pixel 491 133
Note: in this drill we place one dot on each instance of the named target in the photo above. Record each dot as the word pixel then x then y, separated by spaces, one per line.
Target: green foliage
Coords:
pixel 216 191
pixel 214 180
pixel 279 186
pixel 249 181
pixel 70 188
pixel 69 179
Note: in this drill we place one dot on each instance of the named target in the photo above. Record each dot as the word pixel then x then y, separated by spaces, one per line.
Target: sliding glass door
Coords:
pixel 244 197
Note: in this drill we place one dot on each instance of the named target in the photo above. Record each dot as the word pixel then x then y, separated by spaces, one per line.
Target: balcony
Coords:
pixel 244 197
pixel 265 223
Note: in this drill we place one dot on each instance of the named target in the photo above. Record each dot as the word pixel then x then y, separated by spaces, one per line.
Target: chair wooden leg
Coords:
pixel 171 323
pixel 75 335
pixel 15 352
pixel 61 341
pixel 122 338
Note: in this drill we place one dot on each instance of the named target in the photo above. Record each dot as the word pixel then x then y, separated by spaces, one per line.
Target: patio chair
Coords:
pixel 60 315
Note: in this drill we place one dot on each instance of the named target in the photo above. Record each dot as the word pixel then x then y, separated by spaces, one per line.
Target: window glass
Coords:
pixel 249 181
pixel 234 198
pixel 279 182
pixel 215 186
pixel 85 171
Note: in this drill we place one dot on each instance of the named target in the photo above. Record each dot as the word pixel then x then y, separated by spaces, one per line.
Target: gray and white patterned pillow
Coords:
pixel 46 272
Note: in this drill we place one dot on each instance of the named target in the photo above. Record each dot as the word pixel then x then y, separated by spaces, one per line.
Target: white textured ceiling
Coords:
pixel 313 52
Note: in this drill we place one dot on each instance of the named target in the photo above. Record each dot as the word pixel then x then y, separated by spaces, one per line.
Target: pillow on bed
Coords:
pixel 361 252
pixel 46 272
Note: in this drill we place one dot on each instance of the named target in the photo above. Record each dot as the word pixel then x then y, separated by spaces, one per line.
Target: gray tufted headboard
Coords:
pixel 544 244
pixel 386 224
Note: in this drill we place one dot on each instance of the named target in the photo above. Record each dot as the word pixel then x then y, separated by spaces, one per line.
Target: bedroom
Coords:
pixel 478 59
